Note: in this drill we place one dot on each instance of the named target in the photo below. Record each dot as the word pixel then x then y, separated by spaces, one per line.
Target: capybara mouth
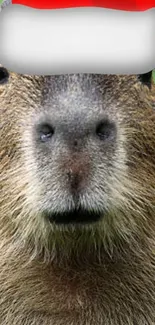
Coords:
pixel 74 217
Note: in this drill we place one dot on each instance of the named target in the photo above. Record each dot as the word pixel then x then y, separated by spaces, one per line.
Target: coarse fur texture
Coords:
pixel 100 273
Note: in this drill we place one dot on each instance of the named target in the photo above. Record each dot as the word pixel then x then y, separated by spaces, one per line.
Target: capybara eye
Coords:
pixel 105 130
pixel 46 132
pixel 4 75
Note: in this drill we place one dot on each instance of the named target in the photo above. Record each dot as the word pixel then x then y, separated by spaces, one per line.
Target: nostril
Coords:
pixel 75 143
pixel 105 129
pixel 45 131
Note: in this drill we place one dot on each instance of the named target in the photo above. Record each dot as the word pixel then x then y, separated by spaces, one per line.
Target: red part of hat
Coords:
pixel 128 5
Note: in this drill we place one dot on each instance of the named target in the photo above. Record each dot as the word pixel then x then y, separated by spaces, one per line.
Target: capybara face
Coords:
pixel 77 190
pixel 78 153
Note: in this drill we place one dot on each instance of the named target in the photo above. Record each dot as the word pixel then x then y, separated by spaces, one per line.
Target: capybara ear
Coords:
pixel 146 78
pixel 4 75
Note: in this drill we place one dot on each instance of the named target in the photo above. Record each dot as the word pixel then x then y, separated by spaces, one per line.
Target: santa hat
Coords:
pixel 99 36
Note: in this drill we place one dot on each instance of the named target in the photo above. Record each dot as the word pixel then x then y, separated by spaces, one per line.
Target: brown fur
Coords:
pixel 108 280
